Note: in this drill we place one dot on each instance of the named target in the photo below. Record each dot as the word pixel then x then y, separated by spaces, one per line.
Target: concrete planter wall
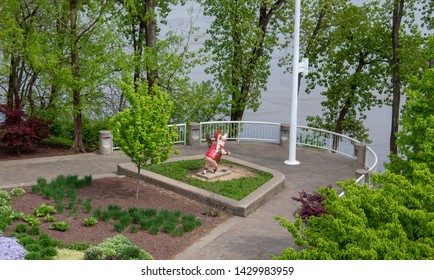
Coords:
pixel 241 208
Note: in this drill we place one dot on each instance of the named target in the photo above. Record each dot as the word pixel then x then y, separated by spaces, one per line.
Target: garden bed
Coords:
pixel 121 192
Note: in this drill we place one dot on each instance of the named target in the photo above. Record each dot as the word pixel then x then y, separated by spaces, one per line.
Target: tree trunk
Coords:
pixel 12 97
pixel 151 35
pixel 77 146
pixel 138 52
pixel 396 81
pixel 138 182
pixel 29 94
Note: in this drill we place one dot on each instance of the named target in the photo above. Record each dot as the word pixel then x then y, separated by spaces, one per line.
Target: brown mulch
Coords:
pixel 121 192
pixel 36 151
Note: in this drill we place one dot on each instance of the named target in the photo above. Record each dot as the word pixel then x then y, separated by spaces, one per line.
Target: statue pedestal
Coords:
pixel 211 175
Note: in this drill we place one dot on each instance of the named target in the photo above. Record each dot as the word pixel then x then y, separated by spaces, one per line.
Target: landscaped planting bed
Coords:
pixel 159 222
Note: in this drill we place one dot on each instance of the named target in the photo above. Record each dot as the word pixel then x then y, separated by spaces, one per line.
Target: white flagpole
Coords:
pixel 294 101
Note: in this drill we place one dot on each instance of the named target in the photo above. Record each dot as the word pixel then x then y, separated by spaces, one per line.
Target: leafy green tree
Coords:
pixel 242 37
pixel 348 61
pixel 353 57
pixel 166 58
pixel 18 33
pixel 394 222
pixel 141 130
pixel 140 25
pixel 414 141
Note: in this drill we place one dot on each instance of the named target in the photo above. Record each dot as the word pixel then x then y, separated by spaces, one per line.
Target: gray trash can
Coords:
pixel 105 142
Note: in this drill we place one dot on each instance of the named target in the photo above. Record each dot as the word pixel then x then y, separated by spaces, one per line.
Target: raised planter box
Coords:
pixel 241 208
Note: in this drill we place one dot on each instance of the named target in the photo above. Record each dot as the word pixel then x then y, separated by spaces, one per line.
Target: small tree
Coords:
pixel 141 130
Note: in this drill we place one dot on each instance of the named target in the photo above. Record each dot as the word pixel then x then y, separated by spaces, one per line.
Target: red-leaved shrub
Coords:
pixel 311 205
pixel 19 131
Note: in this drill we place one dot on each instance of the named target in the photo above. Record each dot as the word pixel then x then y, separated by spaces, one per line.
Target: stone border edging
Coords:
pixel 241 208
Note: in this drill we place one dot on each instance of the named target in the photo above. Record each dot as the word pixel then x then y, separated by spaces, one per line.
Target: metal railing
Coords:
pixel 336 143
pixel 271 132
pixel 306 136
pixel 181 132
pixel 181 135
pixel 243 130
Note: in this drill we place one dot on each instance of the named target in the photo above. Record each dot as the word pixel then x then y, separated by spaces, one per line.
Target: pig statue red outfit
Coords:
pixel 215 152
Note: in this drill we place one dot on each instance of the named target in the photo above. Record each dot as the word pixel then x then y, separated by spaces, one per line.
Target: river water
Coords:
pixel 276 101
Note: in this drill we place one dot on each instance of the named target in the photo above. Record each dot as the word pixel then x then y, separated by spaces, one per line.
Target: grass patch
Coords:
pixel 236 189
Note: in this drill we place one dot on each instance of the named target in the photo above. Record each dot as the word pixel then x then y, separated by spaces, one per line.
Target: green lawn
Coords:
pixel 236 189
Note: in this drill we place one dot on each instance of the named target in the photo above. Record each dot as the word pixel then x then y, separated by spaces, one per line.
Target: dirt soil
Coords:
pixel 121 192
pixel 37 151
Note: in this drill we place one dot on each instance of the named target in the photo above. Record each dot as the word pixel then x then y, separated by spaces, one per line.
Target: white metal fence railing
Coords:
pixel 181 135
pixel 243 130
pixel 337 143
pixel 181 132
pixel 272 132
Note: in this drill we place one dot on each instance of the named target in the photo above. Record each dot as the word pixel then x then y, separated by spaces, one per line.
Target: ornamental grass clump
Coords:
pixel 172 222
pixel 63 187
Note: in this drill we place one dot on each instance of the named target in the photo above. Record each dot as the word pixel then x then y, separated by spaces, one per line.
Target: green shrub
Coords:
pixel 44 210
pixel 17 192
pixel 20 228
pixel 47 253
pixel 46 241
pixel 154 229
pixel 31 220
pixel 87 204
pixel 118 247
pixel 145 224
pixel 61 226
pixel 89 221
pixel 34 230
pixel 170 226
pixel 43 248
pixel 33 256
pixel 93 253
pixel 133 229
pixel 3 202
pixel 59 206
pixel 190 222
pixel 106 216
pixel 4 197
pixel 133 253
pixel 33 247
pixel 119 227
pixel 97 213
pixel 50 218
pixel 178 232
pixel 25 240
pixel 149 212
pixel 79 246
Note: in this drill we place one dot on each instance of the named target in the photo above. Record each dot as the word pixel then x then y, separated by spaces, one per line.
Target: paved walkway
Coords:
pixel 253 237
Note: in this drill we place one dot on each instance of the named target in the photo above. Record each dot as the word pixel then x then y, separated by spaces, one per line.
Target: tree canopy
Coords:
pixel 394 222
pixel 415 138
pixel 141 130
pixel 395 219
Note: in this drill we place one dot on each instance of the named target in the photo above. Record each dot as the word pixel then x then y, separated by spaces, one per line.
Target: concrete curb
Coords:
pixel 239 208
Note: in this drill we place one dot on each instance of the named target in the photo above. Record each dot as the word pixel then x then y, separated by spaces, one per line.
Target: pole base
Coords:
pixel 292 162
